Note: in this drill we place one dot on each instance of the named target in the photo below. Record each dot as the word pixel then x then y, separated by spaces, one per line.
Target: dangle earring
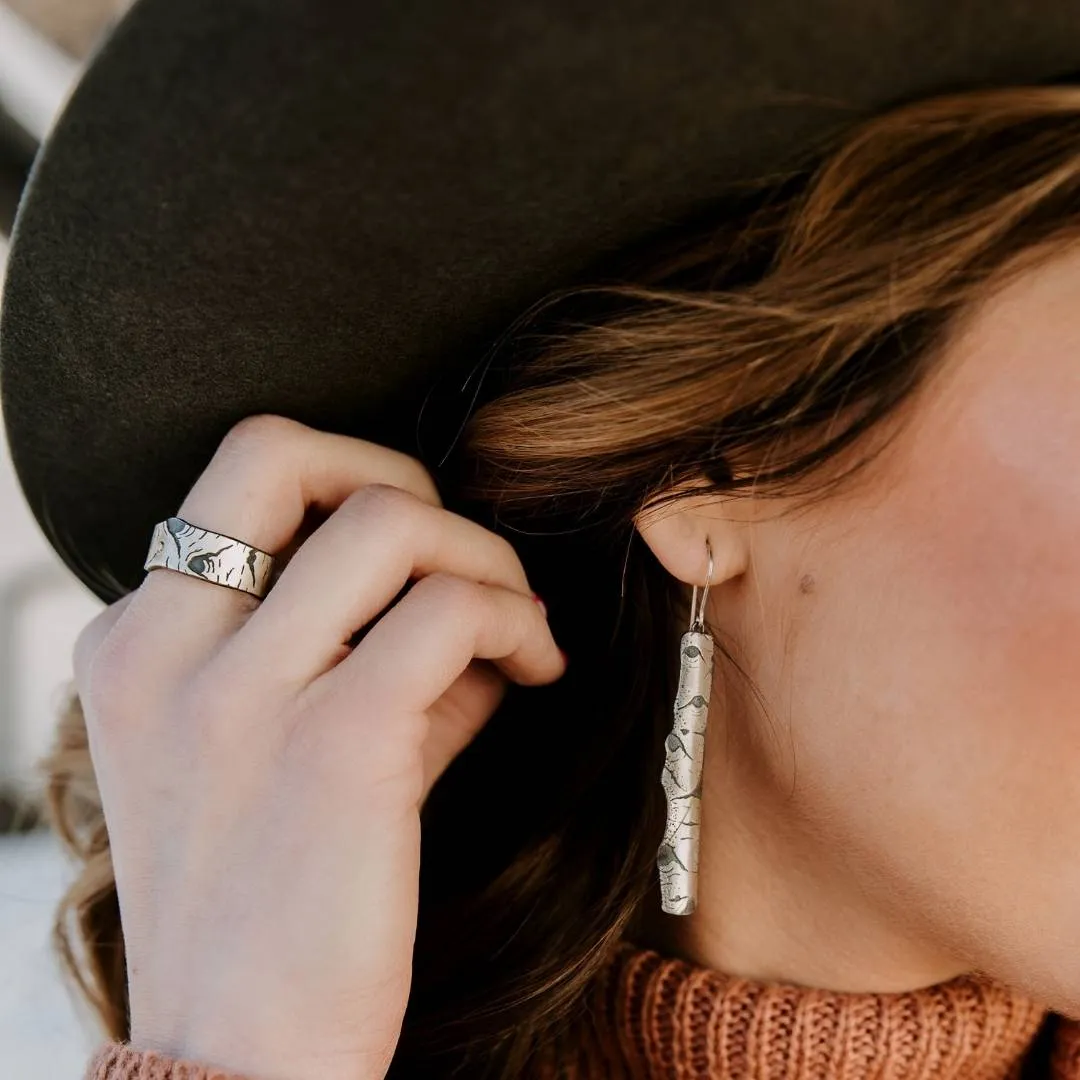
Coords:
pixel 677 856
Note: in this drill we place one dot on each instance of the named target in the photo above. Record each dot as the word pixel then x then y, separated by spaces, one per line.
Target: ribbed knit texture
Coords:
pixel 661 1018
pixel 117 1061
pixel 651 1017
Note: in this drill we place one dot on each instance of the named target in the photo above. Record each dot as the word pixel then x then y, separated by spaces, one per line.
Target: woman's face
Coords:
pixel 918 644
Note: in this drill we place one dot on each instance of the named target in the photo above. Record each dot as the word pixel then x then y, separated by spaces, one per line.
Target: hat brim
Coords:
pixel 318 209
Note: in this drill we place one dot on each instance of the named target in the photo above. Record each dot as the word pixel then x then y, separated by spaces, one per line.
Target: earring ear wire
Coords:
pixel 697 622
pixel 678 855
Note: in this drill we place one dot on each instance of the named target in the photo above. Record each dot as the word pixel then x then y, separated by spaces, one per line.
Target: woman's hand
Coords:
pixel 261 780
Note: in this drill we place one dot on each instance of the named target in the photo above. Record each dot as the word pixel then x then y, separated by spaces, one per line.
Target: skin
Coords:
pixel 906 812
pixel 261 780
pixel 910 809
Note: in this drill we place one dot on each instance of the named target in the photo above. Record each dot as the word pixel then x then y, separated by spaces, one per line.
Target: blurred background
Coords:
pixel 45 1031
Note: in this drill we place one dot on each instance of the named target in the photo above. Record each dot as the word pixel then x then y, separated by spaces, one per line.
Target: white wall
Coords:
pixel 46 1031
pixel 44 1034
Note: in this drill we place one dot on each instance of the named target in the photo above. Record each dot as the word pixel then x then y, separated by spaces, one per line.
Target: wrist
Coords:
pixel 227 1055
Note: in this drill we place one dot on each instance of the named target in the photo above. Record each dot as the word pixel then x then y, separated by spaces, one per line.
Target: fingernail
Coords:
pixel 543 606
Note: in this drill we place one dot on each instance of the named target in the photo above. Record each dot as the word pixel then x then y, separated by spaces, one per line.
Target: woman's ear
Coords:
pixel 677 532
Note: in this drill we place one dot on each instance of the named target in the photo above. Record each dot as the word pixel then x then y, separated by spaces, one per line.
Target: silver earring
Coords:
pixel 677 856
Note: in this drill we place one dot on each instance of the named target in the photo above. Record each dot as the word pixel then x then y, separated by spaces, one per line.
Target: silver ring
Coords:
pixel 211 556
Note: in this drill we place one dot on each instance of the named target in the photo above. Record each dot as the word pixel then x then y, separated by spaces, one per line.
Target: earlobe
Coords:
pixel 677 534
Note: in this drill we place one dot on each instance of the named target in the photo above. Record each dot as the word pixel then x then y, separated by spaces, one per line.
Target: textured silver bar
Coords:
pixel 211 556
pixel 677 856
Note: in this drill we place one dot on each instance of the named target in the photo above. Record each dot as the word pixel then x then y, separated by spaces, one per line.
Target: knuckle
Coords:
pixel 512 556
pixel 260 448
pixel 260 430
pixel 231 684
pixel 382 501
pixel 203 692
pixel 210 707
pixel 422 478
pixel 455 595
pixel 219 711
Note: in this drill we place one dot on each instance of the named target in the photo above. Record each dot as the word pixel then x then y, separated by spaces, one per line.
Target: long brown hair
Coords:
pixel 756 352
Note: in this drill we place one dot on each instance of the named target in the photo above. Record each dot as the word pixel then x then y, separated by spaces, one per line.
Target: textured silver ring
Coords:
pixel 212 556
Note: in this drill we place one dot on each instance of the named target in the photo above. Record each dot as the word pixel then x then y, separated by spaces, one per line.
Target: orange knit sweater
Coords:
pixel 652 1017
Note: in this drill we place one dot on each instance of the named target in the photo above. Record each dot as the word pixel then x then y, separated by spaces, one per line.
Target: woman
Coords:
pixel 852 412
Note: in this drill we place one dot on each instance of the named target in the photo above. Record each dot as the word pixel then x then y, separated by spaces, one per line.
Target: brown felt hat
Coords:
pixel 331 210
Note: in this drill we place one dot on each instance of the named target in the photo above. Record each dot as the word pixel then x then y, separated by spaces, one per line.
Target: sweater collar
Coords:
pixel 653 1017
